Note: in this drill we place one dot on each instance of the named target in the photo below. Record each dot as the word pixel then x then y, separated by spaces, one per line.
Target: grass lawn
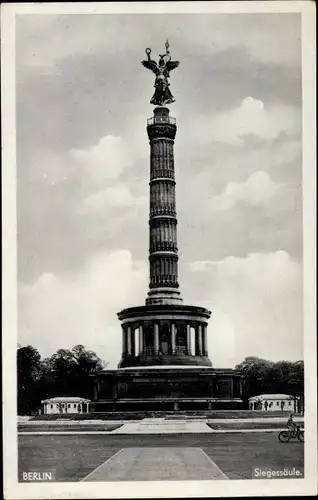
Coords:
pixel 246 425
pixel 71 458
pixel 66 426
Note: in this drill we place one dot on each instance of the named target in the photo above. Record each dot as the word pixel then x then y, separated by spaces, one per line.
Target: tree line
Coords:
pixel 70 372
pixel 260 376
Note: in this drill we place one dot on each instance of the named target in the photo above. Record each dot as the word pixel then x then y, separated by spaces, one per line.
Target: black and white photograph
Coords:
pixel 159 244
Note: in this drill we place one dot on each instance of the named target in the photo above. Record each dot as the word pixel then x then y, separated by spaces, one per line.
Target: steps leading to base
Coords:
pixel 162 426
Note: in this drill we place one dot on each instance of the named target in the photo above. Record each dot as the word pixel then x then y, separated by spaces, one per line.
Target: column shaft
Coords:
pixel 196 340
pixel 232 387
pixel 141 340
pixel 124 341
pixel 163 267
pixel 200 339
pixel 129 340
pixel 156 338
pixel 205 341
pixel 133 341
pixel 189 352
pixel 173 338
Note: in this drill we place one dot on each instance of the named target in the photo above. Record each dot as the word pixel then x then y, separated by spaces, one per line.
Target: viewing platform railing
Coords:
pixel 161 119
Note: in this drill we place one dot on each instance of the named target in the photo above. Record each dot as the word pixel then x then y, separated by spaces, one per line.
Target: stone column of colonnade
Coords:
pixel 130 333
pixel 205 339
pixel 129 340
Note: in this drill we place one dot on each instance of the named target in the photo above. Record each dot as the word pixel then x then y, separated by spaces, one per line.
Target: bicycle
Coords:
pixel 285 436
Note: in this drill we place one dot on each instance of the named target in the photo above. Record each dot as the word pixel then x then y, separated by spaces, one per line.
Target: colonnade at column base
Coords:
pixel 164 334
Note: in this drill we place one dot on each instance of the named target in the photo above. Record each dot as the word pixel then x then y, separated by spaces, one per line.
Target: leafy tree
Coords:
pixel 29 373
pixel 70 372
pixel 253 370
pixel 261 376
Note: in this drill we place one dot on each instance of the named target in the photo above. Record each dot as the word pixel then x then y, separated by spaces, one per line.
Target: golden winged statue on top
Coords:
pixel 162 95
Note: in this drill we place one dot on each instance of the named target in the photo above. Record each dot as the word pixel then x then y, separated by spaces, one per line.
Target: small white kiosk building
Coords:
pixel 273 402
pixel 67 404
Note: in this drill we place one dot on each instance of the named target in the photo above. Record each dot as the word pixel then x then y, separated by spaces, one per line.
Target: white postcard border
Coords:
pixel 171 489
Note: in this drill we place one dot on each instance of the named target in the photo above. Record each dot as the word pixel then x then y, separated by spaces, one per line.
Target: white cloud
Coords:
pixel 258 189
pixel 253 118
pixel 117 196
pixel 201 265
pixel 80 308
pixel 105 160
pixel 256 305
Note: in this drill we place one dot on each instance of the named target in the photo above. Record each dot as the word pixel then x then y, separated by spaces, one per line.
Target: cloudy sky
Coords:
pixel 83 166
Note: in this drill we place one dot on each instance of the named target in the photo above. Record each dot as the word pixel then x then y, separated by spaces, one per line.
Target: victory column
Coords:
pixel 165 363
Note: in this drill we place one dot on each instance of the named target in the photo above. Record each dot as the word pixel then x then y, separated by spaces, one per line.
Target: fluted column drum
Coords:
pixel 163 235
pixel 163 250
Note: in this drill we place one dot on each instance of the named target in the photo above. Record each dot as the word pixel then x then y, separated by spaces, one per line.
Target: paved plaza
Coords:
pixel 153 464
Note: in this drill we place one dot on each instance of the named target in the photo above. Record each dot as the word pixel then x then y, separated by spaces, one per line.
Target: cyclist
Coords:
pixel 291 425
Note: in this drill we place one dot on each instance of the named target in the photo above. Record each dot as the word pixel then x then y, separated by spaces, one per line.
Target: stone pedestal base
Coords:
pixel 167 389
